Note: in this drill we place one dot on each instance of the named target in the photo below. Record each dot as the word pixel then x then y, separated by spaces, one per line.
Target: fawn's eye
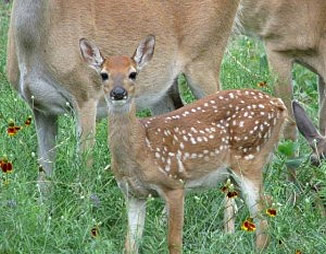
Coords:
pixel 133 75
pixel 104 76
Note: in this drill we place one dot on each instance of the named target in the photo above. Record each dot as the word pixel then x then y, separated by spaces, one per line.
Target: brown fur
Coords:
pixel 45 67
pixel 230 133
pixel 293 31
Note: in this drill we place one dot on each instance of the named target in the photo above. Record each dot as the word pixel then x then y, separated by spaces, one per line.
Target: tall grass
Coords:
pixel 64 224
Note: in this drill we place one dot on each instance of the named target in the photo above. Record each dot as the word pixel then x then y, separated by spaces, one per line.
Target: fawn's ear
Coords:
pixel 144 52
pixel 91 54
pixel 305 125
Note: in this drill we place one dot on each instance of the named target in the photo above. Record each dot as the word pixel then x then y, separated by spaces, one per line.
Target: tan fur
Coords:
pixel 230 133
pixel 45 67
pixel 293 31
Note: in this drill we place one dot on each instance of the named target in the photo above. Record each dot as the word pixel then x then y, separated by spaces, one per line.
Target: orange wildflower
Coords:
pixel 6 166
pixel 262 84
pixel 12 128
pixel 298 252
pixel 271 212
pixel 248 225
pixel 228 188
pixel 232 194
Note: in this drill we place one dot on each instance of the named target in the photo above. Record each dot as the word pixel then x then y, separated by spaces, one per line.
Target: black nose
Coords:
pixel 118 93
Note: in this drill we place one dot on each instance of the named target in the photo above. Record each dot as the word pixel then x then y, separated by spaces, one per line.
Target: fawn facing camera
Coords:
pixel 231 133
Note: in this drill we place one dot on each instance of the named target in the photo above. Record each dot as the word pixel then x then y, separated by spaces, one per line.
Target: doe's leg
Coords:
pixel 281 65
pixel 86 115
pixel 202 77
pixel 322 105
pixel 46 129
pixel 170 101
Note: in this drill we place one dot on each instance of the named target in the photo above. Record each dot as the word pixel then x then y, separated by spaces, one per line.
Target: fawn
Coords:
pixel 230 133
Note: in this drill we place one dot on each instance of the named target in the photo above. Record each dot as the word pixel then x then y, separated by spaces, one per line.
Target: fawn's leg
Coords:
pixel 175 205
pixel 252 189
pixel 136 219
pixel 230 207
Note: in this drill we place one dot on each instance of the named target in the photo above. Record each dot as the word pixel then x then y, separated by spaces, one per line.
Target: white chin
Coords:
pixel 119 103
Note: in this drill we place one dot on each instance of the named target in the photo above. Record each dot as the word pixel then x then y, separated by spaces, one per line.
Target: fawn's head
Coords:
pixel 118 73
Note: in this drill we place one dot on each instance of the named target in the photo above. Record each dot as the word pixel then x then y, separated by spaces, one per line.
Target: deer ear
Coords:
pixel 91 54
pixel 305 125
pixel 144 52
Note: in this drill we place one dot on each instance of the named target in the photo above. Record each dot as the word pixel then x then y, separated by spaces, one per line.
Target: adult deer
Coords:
pixel 45 67
pixel 230 133
pixel 293 31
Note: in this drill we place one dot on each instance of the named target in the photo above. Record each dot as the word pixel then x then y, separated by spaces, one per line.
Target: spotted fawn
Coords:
pixel 228 134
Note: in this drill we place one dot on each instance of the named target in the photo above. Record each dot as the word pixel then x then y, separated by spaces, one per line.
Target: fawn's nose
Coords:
pixel 118 93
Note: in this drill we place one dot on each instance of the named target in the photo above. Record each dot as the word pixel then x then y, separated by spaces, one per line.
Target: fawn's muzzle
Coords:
pixel 118 93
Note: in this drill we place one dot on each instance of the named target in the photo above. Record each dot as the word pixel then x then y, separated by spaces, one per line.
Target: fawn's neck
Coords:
pixel 126 135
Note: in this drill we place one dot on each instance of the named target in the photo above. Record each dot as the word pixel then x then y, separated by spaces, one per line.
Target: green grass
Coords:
pixel 63 224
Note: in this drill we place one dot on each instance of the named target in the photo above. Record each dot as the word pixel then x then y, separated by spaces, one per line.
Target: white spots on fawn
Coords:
pixel 249 157
pixel 231 95
pixel 182 146
pixel 181 167
pixel 193 141
pixel 193 110
pixel 241 124
pixel 261 106
pixel 193 129
pixel 205 104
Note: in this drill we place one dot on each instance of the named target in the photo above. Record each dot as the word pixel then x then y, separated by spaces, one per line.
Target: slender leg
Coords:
pixel 252 190
pixel 202 78
pixel 136 220
pixel 229 214
pixel 322 105
pixel 175 204
pixel 169 102
pixel 46 126
pixel 281 66
pixel 86 114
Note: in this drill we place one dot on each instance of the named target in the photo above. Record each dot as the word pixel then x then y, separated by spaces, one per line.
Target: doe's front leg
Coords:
pixel 86 114
pixel 46 128
pixel 136 209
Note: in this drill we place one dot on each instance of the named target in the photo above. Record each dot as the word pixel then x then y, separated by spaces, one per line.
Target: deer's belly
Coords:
pixel 209 180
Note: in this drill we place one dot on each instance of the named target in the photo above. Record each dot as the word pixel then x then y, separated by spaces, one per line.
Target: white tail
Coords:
pixel 293 31
pixel 45 67
pixel 231 133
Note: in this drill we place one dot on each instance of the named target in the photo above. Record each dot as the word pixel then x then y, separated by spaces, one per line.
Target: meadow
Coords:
pixel 75 221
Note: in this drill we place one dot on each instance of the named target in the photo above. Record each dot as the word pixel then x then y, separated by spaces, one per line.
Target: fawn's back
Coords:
pixel 228 129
